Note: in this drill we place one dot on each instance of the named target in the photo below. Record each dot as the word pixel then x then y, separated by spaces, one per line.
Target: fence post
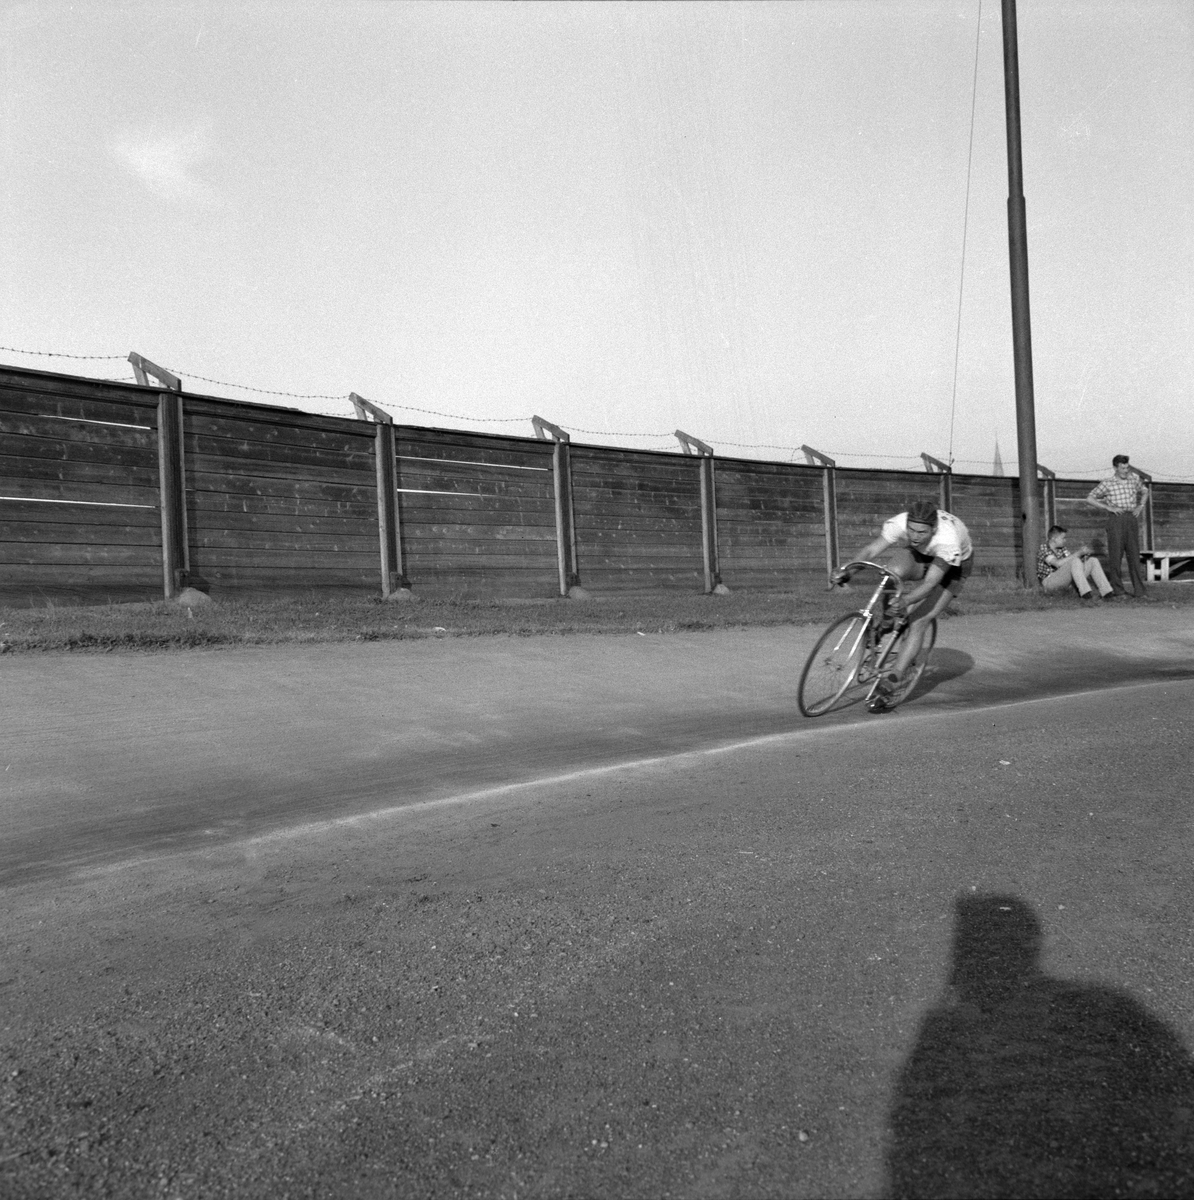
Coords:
pixel 176 556
pixel 393 577
pixel 829 487
pixel 176 552
pixel 561 474
pixel 1149 543
pixel 1049 496
pixel 945 489
pixel 708 487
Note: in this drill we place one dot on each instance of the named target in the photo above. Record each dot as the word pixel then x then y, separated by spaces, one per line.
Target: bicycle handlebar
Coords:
pixel 887 572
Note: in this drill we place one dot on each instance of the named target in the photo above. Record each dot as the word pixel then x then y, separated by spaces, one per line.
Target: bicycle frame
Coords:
pixel 852 655
pixel 878 645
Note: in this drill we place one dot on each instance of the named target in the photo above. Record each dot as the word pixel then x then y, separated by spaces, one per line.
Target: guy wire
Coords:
pixel 953 404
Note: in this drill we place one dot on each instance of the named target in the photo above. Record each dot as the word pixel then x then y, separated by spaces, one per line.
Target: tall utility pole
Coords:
pixel 1017 232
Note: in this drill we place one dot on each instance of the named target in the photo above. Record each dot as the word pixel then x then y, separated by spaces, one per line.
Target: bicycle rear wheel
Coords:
pixel 833 665
pixel 917 667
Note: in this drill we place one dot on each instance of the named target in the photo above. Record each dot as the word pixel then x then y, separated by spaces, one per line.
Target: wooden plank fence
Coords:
pixel 638 519
pixel 278 499
pixel 136 490
pixel 79 481
pixel 477 512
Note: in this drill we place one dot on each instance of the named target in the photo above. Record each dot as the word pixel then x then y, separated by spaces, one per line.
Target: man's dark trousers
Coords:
pixel 1123 537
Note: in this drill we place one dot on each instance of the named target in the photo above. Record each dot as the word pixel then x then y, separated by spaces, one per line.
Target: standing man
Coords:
pixel 1123 498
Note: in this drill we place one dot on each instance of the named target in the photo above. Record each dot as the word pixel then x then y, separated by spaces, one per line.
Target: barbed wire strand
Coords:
pixel 262 391
pixel 55 354
pixel 756 445
pixel 455 416
pixel 658 437
pixel 852 454
pixel 616 433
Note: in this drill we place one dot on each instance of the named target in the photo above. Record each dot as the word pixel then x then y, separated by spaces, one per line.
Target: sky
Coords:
pixel 767 224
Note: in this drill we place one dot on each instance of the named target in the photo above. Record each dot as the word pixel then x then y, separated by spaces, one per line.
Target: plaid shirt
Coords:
pixel 1122 494
pixel 1043 570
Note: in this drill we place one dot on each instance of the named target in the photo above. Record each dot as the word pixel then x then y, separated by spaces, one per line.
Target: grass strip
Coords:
pixel 163 626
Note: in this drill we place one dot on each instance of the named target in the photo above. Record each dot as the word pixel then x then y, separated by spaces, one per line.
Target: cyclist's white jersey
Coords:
pixel 950 541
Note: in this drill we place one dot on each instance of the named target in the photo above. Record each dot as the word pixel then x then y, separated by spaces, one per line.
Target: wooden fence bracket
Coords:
pixel 816 458
pixel 547 432
pixel 366 409
pixel 691 445
pixel 143 369
pixel 945 490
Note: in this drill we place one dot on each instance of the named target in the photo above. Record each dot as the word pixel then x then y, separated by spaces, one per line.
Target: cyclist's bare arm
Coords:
pixel 933 576
pixel 868 553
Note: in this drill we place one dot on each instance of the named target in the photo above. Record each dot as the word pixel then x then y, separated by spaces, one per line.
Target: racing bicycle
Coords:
pixel 850 657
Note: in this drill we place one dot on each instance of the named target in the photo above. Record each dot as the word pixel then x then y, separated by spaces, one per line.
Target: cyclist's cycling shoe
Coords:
pixel 883 699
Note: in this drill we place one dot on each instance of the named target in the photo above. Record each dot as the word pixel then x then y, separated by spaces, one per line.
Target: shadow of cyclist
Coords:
pixel 944 665
pixel 1023 1085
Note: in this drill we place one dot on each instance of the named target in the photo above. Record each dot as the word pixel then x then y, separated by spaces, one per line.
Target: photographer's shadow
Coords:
pixel 1021 1085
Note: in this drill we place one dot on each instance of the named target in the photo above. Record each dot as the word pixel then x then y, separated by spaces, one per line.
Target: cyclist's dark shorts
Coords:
pixel 954 578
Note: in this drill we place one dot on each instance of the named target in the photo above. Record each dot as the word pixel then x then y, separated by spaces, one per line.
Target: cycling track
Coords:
pixel 112 756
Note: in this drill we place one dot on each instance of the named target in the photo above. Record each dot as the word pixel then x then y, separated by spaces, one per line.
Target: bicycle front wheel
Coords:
pixel 833 665
pixel 917 667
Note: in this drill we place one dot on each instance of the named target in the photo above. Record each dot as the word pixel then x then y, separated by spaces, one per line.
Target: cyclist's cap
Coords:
pixel 924 512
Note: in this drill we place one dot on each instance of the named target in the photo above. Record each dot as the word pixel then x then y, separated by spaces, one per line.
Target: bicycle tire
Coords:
pixel 833 665
pixel 917 669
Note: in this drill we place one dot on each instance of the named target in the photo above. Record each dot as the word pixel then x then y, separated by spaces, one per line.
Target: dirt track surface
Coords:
pixel 112 756
pixel 595 916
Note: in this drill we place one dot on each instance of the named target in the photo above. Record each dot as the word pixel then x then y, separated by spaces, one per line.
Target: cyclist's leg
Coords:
pixel 910 642
pixel 906 567
pixel 932 606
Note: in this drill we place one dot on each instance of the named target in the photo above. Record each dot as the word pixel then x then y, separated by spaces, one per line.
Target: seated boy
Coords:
pixel 1058 568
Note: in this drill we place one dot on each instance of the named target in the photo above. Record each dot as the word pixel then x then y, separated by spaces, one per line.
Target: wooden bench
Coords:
pixel 1160 563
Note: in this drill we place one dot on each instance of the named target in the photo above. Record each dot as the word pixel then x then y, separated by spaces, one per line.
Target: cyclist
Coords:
pixel 932 547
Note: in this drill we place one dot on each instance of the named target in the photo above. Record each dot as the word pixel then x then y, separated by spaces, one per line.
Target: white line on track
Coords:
pixel 314 828
pixel 504 789
pixel 676 758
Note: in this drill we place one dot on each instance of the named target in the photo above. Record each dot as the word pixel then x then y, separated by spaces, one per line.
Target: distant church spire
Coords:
pixel 997 469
